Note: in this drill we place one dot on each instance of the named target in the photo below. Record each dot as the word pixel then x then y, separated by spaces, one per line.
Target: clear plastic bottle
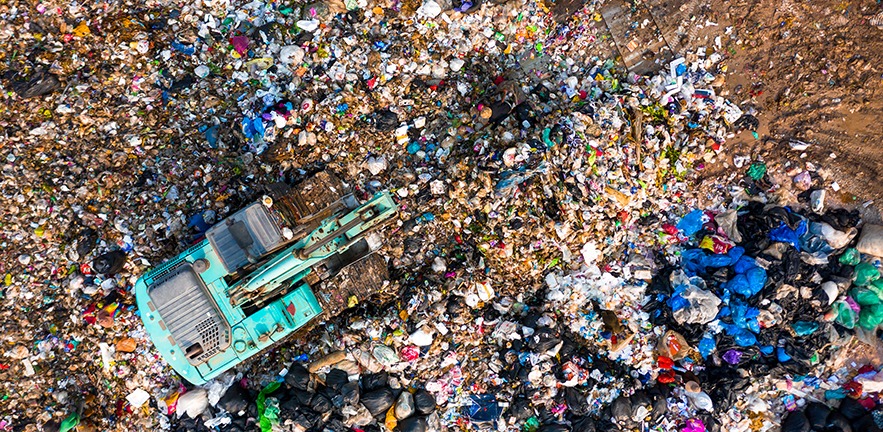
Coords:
pixel 698 398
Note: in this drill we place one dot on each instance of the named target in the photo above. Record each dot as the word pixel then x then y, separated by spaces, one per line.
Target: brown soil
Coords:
pixel 812 71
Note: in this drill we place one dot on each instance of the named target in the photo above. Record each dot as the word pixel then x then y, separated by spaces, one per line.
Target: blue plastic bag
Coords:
pixel 692 261
pixel 484 409
pixel 691 223
pixel 739 285
pixel 707 346
pixel 748 284
pixel 735 253
pixel 803 328
pixel 745 316
pixel 756 280
pixel 782 355
pixel 743 264
pixel 716 261
pixel 677 303
pixel 785 234
pixel 183 49
pixel 742 337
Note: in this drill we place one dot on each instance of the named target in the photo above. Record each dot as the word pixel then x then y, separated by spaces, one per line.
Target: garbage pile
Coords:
pixel 329 400
pixel 549 272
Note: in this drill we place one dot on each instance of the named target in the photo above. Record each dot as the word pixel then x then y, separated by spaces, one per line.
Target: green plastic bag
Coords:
pixel 757 170
pixel 267 419
pixel 850 257
pixel 531 425
pixel 870 317
pixel 845 315
pixel 864 296
pixel 69 423
pixel 865 274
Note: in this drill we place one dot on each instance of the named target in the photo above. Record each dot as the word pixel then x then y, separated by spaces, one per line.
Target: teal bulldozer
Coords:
pixel 267 272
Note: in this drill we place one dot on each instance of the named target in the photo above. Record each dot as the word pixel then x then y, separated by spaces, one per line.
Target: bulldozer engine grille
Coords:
pixel 209 332
pixel 190 314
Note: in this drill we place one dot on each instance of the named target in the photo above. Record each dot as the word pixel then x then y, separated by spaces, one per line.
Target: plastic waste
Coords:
pixel 691 222
pixel 783 233
pixel 694 425
pixel 851 409
pixel 850 256
pixel 673 345
pixel 138 397
pixel 816 414
pixel 40 84
pixel 757 170
pixel 702 306
pixel 871 240
pixel 795 421
pixel 235 400
pixel 871 316
pixel 846 315
pixel 320 403
pixel 865 273
pixel 697 397
pixel 424 402
pixel 706 346
pixel 864 296
pixel 727 222
pixel 404 406
pixel 376 381
pixel 817 200
pixel 110 263
pixel 193 403
pixel 378 401
pixel 336 378
pixel 836 239
pixel 483 410
pixel 414 424
pixel 298 377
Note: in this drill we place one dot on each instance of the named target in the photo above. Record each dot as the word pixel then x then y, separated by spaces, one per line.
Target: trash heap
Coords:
pixel 543 274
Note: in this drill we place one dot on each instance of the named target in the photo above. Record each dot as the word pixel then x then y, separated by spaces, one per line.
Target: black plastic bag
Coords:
pixel 576 402
pixel 303 397
pixel 586 424
pixel 109 263
pixel 42 83
pixel 378 401
pixel 851 409
pixel 320 403
pixel 350 393
pixel 235 400
pixel 841 219
pixel 371 382
pixel 424 402
pixel 499 112
pixel 88 239
pixel 385 120
pixel 520 410
pixel 795 421
pixel 621 409
pixel 306 419
pixel 335 379
pixel 837 423
pixel 866 424
pixel 525 112
pixel 817 414
pixel 660 408
pixel 298 377
pixel 414 424
pixel 555 428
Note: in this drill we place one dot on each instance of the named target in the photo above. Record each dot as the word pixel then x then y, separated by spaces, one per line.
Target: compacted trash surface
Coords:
pixel 578 247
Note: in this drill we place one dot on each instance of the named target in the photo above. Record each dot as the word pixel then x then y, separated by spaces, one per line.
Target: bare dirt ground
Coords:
pixel 813 72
